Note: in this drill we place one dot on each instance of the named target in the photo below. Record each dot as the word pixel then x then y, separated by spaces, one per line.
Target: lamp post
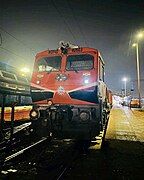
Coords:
pixel 138 71
pixel 139 36
pixel 125 82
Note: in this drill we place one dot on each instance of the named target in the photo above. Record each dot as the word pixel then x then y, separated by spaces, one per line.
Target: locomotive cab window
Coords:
pixel 49 64
pixel 80 62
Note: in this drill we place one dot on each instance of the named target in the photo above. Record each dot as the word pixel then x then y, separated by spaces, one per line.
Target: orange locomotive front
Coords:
pixel 69 92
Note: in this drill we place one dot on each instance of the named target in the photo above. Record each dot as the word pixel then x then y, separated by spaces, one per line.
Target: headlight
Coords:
pixel 84 116
pixel 86 78
pixel 86 81
pixel 50 102
pixel 34 114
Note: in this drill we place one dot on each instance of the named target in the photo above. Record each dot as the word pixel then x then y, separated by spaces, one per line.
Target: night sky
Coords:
pixel 28 27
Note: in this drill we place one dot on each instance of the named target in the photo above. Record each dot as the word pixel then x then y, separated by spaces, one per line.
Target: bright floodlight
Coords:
pixel 124 79
pixel 140 35
pixel 25 70
pixel 134 44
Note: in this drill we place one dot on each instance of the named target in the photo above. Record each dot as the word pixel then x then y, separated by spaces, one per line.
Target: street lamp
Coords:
pixel 138 71
pixel 139 36
pixel 125 81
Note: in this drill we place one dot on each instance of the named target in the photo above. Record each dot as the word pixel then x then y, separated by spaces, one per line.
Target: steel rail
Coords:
pixel 23 150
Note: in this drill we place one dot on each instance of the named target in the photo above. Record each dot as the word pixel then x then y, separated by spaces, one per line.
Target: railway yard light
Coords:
pixel 125 83
pixel 25 71
pixel 139 36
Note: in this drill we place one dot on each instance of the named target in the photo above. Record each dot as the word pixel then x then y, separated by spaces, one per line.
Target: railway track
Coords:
pixel 15 161
pixel 41 156
pixel 8 158
pixel 47 158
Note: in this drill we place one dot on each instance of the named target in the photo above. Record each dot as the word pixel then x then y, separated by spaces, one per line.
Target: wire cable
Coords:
pixel 12 53
pixel 73 14
pixel 67 25
pixel 32 50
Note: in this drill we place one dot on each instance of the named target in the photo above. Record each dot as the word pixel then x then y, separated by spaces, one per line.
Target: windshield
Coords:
pixel 48 64
pixel 80 62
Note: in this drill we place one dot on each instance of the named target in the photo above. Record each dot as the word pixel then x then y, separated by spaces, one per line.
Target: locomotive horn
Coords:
pixel 61 44
pixel 71 45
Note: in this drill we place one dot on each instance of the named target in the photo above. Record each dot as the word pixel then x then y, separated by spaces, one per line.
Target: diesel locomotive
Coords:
pixel 70 97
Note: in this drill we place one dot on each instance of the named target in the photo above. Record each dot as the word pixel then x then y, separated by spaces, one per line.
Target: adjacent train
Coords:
pixel 68 90
pixel 14 88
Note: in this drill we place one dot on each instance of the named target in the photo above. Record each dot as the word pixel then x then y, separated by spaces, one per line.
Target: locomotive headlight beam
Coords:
pixel 86 78
pixel 86 81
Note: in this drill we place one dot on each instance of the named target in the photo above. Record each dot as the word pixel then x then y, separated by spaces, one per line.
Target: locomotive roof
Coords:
pixel 70 51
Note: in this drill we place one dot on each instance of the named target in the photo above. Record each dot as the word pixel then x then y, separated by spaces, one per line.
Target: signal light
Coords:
pixel 34 114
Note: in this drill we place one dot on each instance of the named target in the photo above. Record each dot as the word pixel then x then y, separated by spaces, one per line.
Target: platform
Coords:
pixel 125 124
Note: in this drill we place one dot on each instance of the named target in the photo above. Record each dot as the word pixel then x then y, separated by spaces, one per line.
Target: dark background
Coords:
pixel 28 27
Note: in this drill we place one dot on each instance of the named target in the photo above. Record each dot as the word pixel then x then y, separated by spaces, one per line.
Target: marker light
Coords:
pixel 34 114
